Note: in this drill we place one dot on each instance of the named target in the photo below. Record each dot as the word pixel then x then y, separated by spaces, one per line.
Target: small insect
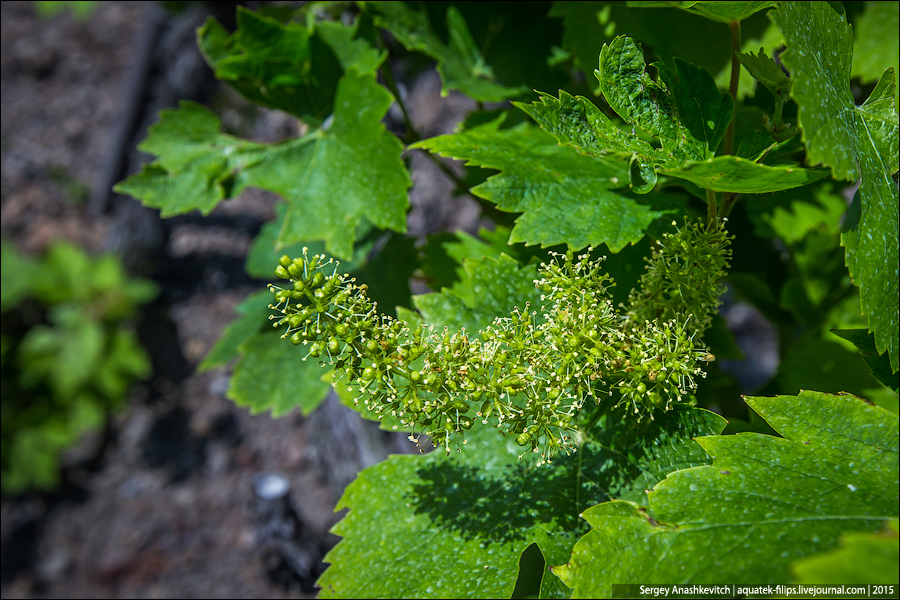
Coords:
pixel 708 357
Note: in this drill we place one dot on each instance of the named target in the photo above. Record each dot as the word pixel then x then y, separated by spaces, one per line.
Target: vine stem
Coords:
pixel 729 199
pixel 733 84
pixel 729 203
pixel 412 135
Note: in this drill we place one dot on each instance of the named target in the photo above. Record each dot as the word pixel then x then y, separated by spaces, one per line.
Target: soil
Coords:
pixel 165 502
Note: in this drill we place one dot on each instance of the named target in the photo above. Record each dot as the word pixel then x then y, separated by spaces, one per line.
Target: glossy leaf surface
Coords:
pixel 857 142
pixel 564 196
pixel 763 503
pixel 455 526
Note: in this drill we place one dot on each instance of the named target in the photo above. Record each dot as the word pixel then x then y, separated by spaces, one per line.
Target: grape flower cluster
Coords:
pixel 528 374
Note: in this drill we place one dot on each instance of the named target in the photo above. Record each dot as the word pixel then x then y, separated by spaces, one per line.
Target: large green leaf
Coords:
pixel 564 196
pixel 576 121
pixel 459 63
pixel 857 142
pixel 764 502
pixel 332 178
pixel 454 526
pixel 343 173
pixel 877 46
pixel 278 65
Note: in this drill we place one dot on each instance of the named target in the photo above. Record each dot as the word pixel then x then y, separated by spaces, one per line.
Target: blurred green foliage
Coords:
pixel 67 357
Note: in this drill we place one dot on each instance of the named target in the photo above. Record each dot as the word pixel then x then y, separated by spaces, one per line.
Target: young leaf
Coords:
pixel 653 107
pixel 455 526
pixel 564 196
pixel 332 178
pixel 764 502
pixel 880 365
pixel 197 166
pixel 702 108
pixel 767 72
pixel 460 63
pixel 273 64
pixel 857 142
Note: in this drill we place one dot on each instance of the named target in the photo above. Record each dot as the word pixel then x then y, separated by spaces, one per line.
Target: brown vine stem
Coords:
pixel 412 135
pixel 729 203
pixel 711 207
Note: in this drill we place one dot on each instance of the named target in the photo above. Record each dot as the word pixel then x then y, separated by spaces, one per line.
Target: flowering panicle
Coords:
pixel 527 374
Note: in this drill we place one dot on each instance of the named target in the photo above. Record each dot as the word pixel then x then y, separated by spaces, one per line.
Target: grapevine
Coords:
pixel 528 374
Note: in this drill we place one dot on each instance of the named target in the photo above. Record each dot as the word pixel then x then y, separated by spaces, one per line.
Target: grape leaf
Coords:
pixel 764 502
pixel 454 526
pixel 491 288
pixel 460 63
pixel 879 366
pixel 577 122
pixel 736 174
pixel 356 53
pixel 282 66
pixel 332 178
pixel 564 196
pixel 857 142
pixel 766 71
pixel 197 166
pixel 343 173
pixel 272 375
pixel 862 559
pixel 877 46
pixel 653 107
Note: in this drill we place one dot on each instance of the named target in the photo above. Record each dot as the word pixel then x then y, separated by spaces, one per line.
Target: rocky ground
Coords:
pixel 164 504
